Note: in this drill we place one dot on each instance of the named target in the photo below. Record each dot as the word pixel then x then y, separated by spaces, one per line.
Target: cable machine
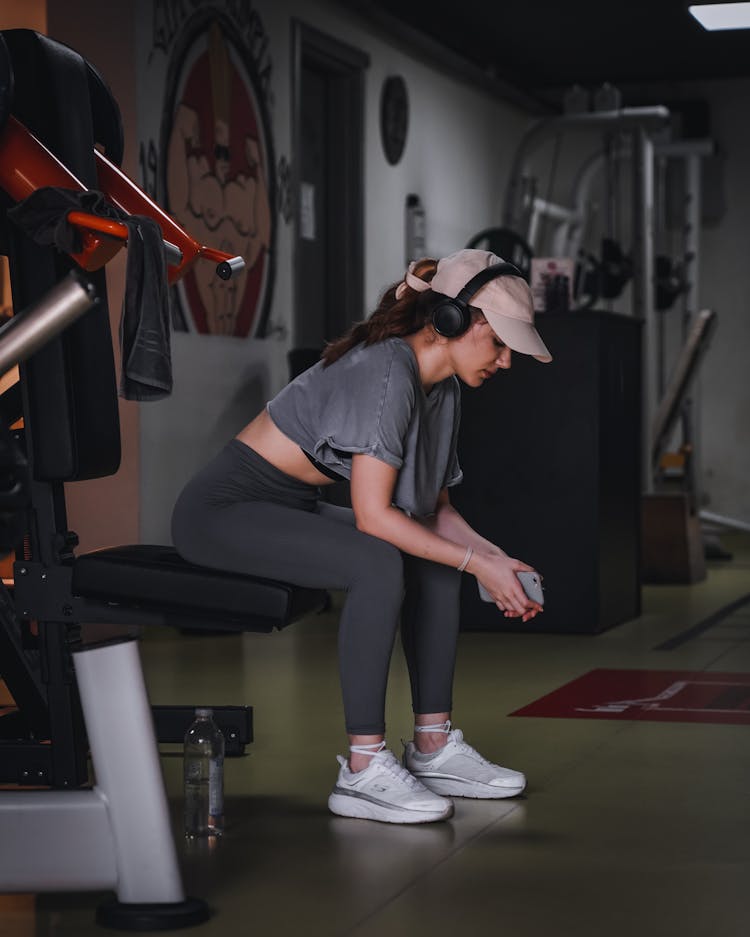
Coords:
pixel 620 191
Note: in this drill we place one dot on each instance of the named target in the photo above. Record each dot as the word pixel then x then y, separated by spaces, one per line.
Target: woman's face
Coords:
pixel 478 354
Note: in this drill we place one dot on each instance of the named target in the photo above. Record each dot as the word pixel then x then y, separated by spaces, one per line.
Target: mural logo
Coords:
pixel 217 166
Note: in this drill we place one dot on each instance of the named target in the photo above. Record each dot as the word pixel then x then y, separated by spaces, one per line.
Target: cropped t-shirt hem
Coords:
pixel 371 402
pixel 330 445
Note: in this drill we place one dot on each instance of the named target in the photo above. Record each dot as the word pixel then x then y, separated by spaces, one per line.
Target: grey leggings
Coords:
pixel 242 514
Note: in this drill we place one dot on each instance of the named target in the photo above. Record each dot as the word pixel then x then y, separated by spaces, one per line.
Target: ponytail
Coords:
pixel 402 311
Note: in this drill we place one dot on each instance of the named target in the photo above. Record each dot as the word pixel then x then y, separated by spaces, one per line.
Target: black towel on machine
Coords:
pixel 146 372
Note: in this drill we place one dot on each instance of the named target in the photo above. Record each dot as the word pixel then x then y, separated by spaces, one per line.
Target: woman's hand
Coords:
pixel 441 539
pixel 497 573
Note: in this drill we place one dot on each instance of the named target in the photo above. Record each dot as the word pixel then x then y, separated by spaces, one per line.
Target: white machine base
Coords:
pixel 116 836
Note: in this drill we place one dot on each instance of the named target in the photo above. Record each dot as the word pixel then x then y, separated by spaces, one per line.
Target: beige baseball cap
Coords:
pixel 505 301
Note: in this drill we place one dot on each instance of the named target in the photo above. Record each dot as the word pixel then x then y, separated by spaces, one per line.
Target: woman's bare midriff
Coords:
pixel 268 441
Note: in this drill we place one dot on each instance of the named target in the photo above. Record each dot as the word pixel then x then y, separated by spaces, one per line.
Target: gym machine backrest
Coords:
pixel 71 432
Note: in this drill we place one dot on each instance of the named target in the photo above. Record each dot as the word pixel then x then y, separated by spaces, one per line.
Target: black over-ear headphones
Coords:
pixel 452 317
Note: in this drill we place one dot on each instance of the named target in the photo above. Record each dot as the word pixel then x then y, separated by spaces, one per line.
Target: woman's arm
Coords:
pixel 444 541
pixel 448 523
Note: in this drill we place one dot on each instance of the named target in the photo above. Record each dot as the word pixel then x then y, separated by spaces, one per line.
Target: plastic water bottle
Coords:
pixel 204 776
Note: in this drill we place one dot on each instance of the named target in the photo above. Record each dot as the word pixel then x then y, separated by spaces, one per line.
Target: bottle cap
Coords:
pixel 204 711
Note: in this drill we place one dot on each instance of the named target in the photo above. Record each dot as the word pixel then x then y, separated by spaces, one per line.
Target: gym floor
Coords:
pixel 631 823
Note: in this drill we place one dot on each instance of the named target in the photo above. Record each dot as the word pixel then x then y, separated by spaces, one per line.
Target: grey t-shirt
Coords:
pixel 372 401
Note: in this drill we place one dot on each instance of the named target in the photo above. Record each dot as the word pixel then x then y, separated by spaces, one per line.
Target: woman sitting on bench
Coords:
pixel 381 409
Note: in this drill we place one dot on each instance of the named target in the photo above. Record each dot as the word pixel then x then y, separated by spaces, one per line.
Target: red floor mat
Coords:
pixel 654 695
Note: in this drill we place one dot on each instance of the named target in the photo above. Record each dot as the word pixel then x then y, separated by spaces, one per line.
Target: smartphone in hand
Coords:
pixel 530 582
pixel 532 586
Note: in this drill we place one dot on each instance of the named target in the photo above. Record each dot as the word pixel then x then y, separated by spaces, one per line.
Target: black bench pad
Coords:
pixel 156 577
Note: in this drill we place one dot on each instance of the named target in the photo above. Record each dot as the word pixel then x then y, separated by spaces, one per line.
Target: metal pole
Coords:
pixel 27 331
pixel 734 523
pixel 643 287
pixel 691 153
pixel 691 408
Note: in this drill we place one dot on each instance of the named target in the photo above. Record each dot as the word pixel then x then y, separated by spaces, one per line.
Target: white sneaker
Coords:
pixel 458 770
pixel 385 791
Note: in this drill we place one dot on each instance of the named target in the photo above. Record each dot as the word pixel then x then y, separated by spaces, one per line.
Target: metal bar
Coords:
pixel 227 268
pixel 643 286
pixel 173 254
pixel 28 331
pixel 685 372
pixel 723 521
pixel 118 230
pixel 690 307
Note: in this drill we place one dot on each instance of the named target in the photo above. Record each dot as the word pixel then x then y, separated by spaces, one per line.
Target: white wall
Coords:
pixel 458 151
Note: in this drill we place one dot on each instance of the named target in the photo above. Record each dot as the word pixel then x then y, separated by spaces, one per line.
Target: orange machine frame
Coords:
pixel 26 165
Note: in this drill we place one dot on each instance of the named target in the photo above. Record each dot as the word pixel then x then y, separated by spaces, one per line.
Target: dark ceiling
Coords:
pixel 545 46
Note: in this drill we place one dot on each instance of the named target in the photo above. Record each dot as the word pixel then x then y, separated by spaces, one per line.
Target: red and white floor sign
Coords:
pixel 653 695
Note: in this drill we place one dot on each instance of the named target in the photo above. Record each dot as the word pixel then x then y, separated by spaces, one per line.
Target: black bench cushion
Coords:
pixel 156 577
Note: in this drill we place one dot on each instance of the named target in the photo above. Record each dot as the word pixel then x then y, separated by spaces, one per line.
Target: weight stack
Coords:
pixel 552 466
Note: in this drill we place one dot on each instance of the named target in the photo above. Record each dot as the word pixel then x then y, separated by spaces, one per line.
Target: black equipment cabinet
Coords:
pixel 551 461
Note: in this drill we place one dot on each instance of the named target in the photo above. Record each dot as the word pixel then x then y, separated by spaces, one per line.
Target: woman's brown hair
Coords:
pixel 393 317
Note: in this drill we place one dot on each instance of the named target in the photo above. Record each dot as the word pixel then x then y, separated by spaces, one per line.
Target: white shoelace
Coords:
pixel 371 749
pixel 443 727
pixel 388 761
pixel 394 767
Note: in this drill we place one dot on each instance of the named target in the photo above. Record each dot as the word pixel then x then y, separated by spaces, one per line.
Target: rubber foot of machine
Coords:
pixel 152 916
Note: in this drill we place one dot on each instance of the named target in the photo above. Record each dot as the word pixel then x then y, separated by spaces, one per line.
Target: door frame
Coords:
pixel 345 66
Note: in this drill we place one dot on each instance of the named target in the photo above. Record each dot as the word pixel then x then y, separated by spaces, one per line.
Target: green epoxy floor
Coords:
pixel 627 827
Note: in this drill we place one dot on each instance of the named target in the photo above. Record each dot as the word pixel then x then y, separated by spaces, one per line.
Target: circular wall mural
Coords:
pixel 217 176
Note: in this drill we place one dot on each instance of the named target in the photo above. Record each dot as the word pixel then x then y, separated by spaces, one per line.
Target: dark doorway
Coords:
pixel 328 143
